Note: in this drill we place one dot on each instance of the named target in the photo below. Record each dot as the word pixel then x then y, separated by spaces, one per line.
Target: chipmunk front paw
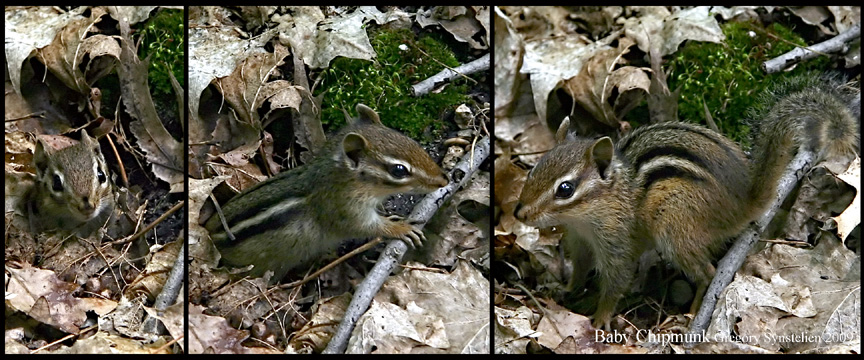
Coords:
pixel 410 232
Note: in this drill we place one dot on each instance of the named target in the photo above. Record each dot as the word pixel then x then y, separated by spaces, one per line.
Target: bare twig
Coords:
pixel 169 293
pixel 67 337
pixel 333 264
pixel 799 54
pixel 425 86
pixel 119 161
pixel 152 225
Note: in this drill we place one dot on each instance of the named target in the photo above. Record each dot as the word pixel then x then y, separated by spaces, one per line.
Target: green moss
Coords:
pixel 727 76
pixel 162 40
pixel 384 84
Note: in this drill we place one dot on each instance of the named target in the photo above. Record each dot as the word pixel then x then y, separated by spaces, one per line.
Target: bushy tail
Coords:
pixel 820 113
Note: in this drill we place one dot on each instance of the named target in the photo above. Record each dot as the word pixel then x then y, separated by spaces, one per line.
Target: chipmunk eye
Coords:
pixel 58 184
pixel 101 176
pixel 399 171
pixel 565 190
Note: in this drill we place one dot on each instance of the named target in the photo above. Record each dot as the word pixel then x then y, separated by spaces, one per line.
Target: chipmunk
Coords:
pixel 679 187
pixel 73 191
pixel 297 216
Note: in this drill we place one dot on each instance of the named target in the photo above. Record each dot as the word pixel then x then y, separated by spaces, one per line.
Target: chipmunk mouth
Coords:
pixel 86 208
pixel 529 218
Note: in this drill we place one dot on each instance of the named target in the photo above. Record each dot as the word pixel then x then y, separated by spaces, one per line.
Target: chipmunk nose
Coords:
pixel 516 212
pixel 87 206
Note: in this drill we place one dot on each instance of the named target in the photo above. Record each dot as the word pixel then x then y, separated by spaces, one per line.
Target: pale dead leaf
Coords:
pixel 514 330
pixel 212 334
pixel 316 334
pixel 851 217
pixel 131 14
pixel 104 343
pixel 31 28
pixel 173 318
pixel 845 16
pixel 783 291
pixel 452 236
pixel 508 55
pixel 813 15
pixel 459 21
pixel 460 299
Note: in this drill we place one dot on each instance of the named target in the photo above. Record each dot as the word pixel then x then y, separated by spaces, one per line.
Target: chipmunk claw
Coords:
pixel 415 238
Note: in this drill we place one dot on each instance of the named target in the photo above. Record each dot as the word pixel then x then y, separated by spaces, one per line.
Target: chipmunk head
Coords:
pixel 75 176
pixel 565 180
pixel 387 161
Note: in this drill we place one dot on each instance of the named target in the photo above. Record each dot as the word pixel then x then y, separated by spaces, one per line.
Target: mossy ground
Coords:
pixel 162 39
pixel 384 84
pixel 726 77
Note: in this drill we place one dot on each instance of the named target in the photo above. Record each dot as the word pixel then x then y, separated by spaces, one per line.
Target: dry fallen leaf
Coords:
pixel 316 334
pixel 213 335
pixel 29 29
pixel 851 217
pixel 783 291
pixel 164 152
pixel 46 298
pixel 459 299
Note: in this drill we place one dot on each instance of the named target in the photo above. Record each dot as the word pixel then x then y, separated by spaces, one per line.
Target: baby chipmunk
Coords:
pixel 295 217
pixel 73 191
pixel 678 187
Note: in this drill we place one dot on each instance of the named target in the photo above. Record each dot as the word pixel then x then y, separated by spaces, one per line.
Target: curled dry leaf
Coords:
pixel 247 87
pixel 460 21
pixel 850 218
pixel 214 52
pixel 163 151
pixel 514 329
pixel 64 56
pixel 593 87
pixel 29 29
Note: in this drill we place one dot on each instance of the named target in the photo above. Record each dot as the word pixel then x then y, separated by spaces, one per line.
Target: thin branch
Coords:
pixel 835 44
pixel 447 75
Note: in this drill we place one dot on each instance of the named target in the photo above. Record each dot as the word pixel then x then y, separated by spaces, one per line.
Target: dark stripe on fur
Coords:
pixel 273 222
pixel 673 151
pixel 667 172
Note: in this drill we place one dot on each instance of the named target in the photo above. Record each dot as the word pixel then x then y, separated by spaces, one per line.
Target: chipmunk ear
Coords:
pixel 89 142
pixel 40 156
pixel 353 145
pixel 563 130
pixel 367 115
pixel 601 154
